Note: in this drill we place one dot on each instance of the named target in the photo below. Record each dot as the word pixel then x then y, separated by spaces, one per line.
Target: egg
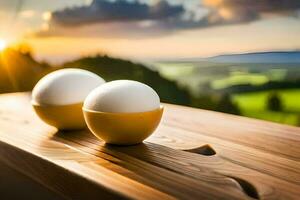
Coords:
pixel 122 112
pixel 122 96
pixel 58 97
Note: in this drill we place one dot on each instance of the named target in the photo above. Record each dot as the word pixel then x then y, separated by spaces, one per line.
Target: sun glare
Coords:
pixel 2 44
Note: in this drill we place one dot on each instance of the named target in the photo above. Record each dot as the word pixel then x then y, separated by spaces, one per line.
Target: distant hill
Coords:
pixel 276 57
pixel 114 69
pixel 260 57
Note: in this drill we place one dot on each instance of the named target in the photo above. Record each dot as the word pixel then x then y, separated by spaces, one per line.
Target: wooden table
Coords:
pixel 194 154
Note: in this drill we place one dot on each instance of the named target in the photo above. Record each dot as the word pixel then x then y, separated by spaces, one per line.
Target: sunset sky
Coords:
pixel 60 30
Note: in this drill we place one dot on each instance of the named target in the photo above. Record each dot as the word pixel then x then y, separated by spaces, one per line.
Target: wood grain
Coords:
pixel 251 159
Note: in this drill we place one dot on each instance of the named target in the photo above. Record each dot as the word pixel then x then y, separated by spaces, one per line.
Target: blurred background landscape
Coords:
pixel 238 57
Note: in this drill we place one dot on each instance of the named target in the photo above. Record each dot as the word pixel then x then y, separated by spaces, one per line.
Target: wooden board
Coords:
pixel 194 154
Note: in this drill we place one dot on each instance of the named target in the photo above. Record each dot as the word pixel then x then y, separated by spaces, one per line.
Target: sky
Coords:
pixel 145 30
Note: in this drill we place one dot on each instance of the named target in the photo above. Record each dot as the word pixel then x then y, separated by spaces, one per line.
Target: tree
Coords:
pixel 274 102
pixel 226 105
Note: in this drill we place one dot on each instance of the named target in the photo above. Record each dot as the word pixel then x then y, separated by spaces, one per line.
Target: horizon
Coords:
pixel 232 54
pixel 64 60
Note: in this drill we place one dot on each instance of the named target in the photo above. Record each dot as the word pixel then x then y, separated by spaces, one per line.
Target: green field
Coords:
pixel 238 78
pixel 211 79
pixel 254 105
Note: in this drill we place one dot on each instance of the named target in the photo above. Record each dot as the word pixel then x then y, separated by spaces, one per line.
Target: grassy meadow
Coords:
pixel 254 104
pixel 249 86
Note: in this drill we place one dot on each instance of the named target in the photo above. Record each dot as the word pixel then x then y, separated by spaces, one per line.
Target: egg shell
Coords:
pixel 122 96
pixel 65 87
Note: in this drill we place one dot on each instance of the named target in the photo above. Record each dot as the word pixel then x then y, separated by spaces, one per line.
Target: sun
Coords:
pixel 2 44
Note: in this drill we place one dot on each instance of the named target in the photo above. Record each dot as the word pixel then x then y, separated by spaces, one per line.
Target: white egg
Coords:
pixel 122 96
pixel 65 86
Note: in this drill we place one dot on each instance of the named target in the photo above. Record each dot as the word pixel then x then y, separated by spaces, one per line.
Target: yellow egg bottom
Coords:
pixel 123 128
pixel 63 117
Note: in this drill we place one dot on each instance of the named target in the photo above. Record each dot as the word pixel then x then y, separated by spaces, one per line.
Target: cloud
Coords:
pixel 241 11
pixel 121 18
pixel 118 18
pixel 101 11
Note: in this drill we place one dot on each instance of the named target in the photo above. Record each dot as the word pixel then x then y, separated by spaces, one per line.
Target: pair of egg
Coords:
pixel 120 112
